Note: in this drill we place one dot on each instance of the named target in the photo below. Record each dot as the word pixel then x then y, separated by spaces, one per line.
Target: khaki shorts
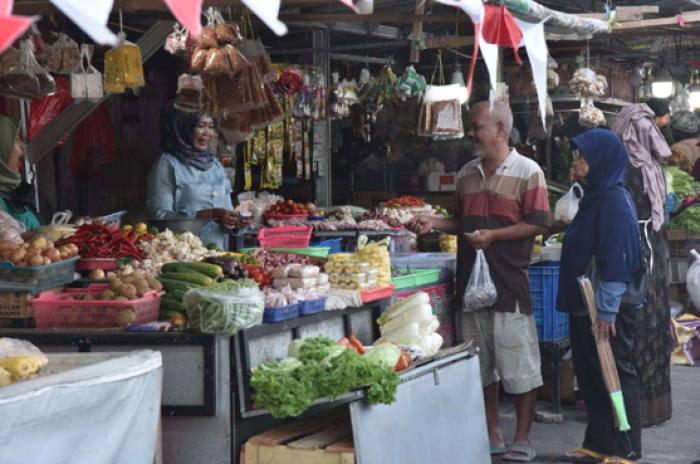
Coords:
pixel 509 350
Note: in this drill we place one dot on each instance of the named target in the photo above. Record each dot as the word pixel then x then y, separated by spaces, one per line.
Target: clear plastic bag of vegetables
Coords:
pixel 225 308
pixel 481 291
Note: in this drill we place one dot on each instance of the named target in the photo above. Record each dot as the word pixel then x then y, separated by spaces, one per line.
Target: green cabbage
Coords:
pixel 386 355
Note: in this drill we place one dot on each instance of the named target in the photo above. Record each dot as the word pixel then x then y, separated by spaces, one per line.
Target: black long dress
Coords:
pixel 653 345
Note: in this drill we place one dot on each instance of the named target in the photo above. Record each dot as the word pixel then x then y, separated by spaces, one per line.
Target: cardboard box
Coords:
pixel 16 305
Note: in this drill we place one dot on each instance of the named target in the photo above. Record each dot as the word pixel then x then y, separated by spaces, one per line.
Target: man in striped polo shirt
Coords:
pixel 501 205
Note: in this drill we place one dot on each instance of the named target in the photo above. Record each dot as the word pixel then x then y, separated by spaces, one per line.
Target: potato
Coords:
pixel 141 287
pixel 127 316
pixel 111 276
pixel 88 297
pixel 154 284
pixel 121 298
pixel 115 284
pixel 107 295
pixel 128 279
pixel 128 291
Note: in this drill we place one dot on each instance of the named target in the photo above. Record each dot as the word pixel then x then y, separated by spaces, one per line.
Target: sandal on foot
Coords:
pixel 525 453
pixel 590 457
pixel 497 450
pixel 617 461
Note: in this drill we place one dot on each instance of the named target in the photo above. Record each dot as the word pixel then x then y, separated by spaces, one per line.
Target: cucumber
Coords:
pixel 174 305
pixel 178 294
pixel 167 314
pixel 200 279
pixel 170 285
pixel 211 270
pixel 186 270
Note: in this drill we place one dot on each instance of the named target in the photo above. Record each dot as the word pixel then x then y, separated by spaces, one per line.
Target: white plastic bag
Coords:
pixel 224 308
pixel 567 206
pixel 86 81
pixel 11 230
pixel 692 280
pixel 481 292
pixel 11 347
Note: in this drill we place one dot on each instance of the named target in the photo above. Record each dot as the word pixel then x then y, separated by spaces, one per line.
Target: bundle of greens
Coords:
pixel 678 182
pixel 289 387
pixel 688 220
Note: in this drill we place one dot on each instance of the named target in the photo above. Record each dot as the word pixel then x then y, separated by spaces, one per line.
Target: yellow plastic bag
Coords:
pixel 123 67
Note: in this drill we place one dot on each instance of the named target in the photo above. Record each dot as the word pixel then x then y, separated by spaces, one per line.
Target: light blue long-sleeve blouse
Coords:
pixel 179 191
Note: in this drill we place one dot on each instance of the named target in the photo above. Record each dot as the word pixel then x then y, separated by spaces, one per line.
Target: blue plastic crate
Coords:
pixel 35 279
pixel 272 315
pixel 334 244
pixel 544 284
pixel 313 306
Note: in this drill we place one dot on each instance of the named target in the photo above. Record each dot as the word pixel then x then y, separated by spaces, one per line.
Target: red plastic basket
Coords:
pixel 106 264
pixel 52 311
pixel 285 237
pixel 377 294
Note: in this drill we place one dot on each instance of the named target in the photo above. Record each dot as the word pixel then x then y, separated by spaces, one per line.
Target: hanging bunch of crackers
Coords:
pixel 237 74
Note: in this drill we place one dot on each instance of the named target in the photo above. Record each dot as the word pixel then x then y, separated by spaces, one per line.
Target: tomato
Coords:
pixel 148 237
pixel 290 202
pixel 280 202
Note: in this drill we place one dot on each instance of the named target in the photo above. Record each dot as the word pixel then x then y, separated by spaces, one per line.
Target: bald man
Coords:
pixel 501 202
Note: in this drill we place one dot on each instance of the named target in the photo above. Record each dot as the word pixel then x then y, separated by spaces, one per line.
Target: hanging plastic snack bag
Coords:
pixel 256 87
pixel 262 58
pixel 481 291
pixel 208 38
pixel 304 101
pixel 22 82
pixel 567 206
pixel 211 105
pixel 237 61
pixel 590 116
pixel 236 127
pixel 9 60
pixel 85 80
pixel 190 93
pixel 176 42
pixel 123 66
pixel 586 83
pixel 199 59
pixel 275 107
pixel 350 91
pixel 217 63
pixel 319 108
pixel 334 102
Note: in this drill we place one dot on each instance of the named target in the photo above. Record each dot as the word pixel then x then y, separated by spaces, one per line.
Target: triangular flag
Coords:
pixel 471 7
pixel 349 4
pixel 490 54
pixel 11 28
pixel 6 7
pixel 92 20
pixel 188 13
pixel 268 12
pixel 499 28
pixel 536 47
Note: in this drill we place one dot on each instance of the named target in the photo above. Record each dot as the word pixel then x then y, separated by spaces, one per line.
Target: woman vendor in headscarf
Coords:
pixel 638 126
pixel 16 197
pixel 186 182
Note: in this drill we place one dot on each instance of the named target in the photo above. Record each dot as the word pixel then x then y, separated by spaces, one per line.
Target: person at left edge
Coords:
pixel 16 197
pixel 187 182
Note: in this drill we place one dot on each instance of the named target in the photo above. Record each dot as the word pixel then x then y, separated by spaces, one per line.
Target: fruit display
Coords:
pixel 448 243
pixel 289 207
pixel 440 210
pixel 405 201
pixel 38 252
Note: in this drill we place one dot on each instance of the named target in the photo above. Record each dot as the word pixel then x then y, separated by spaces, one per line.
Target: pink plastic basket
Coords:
pixel 377 294
pixel 285 237
pixel 52 311
pixel 106 264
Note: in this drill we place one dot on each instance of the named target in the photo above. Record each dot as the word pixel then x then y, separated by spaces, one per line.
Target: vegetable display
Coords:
pixel 290 207
pixel 411 323
pixel 225 308
pixel 323 369
pixel 688 220
pixel 39 252
pixel 406 200
pixel 98 241
pixel 167 247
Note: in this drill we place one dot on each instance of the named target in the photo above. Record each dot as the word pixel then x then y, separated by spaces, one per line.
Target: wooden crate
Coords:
pixel 316 441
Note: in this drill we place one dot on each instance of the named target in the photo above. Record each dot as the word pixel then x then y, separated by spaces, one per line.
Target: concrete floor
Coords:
pixel 675 442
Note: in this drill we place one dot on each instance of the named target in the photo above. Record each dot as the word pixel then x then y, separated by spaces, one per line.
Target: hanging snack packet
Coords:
pixel 63 56
pixel 267 72
pixel 176 42
pixel 236 127
pixel 237 61
pixel 199 59
pixel 123 67
pixel 208 38
pixel 86 81
pixel 190 93
pixel 9 60
pixel 217 63
pixel 22 82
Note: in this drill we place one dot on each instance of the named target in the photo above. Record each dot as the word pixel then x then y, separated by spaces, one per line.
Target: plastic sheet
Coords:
pixel 42 111
pixel 11 230
pixel 224 312
pixel 93 144
pixel 96 407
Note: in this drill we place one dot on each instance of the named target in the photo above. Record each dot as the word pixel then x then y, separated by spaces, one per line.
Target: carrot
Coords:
pixel 383 342
pixel 403 363
pixel 354 341
pixel 344 342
